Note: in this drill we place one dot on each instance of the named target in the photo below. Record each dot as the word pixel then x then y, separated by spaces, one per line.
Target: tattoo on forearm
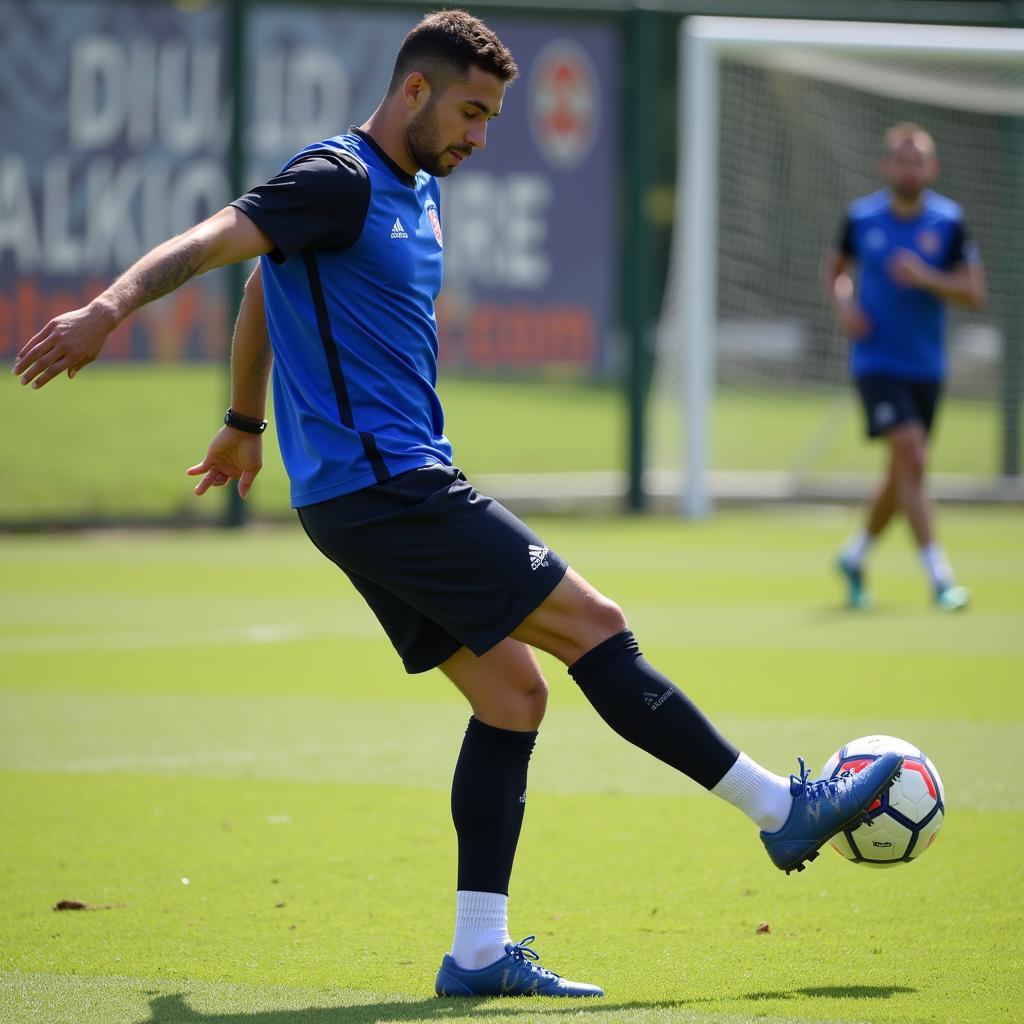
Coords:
pixel 170 271
pixel 261 358
pixel 163 274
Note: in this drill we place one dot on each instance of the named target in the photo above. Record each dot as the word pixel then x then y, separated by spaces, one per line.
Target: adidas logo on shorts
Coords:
pixel 538 557
pixel 884 413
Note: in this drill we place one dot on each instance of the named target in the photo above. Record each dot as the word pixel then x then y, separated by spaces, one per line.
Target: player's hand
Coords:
pixel 232 455
pixel 853 321
pixel 68 342
pixel 908 269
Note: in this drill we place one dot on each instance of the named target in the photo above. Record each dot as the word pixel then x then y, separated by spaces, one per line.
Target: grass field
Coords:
pixel 221 709
pixel 116 442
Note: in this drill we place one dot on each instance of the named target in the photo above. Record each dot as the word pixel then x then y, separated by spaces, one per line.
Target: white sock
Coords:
pixel 940 572
pixel 762 796
pixel 481 928
pixel 856 549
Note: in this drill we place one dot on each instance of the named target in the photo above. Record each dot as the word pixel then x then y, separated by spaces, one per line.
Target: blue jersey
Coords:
pixel 908 325
pixel 349 291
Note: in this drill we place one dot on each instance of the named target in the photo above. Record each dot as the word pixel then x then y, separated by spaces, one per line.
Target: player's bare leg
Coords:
pixel 573 620
pixel 851 562
pixel 884 504
pixel 589 634
pixel 505 688
pixel 909 453
pixel 909 445
pixel 904 490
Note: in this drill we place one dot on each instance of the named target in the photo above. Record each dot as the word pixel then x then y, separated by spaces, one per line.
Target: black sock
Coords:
pixel 488 801
pixel 642 706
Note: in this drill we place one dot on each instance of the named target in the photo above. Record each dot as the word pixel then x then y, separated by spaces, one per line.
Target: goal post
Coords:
pixel 979 71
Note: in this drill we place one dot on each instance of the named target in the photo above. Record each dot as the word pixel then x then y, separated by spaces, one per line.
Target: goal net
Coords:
pixel 781 125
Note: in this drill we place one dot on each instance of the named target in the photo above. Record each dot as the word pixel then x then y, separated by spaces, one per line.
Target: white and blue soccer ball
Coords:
pixel 906 818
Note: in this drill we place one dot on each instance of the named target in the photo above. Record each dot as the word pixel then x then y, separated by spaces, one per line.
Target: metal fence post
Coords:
pixel 235 510
pixel 638 263
pixel 1012 313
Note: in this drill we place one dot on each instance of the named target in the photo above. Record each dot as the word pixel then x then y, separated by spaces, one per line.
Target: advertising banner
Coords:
pixel 114 133
pixel 112 139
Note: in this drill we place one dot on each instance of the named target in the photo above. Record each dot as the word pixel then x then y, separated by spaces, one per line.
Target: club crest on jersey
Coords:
pixel 435 222
pixel 928 242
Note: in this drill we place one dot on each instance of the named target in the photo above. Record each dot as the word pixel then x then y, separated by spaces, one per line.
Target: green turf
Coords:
pixel 222 709
pixel 116 441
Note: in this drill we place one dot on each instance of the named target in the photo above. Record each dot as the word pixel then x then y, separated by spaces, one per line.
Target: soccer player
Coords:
pixel 342 308
pixel 915 256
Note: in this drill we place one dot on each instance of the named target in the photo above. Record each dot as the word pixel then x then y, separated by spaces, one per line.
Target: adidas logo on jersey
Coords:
pixel 538 557
pixel 397 231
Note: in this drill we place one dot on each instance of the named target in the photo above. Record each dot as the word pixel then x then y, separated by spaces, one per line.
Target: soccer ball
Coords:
pixel 906 819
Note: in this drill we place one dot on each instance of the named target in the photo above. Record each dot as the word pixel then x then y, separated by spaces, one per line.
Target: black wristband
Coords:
pixel 232 419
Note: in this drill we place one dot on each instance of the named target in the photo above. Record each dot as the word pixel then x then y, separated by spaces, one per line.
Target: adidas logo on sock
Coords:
pixel 654 700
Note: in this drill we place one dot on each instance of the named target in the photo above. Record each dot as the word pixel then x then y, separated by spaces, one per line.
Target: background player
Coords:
pixel 351 243
pixel 914 255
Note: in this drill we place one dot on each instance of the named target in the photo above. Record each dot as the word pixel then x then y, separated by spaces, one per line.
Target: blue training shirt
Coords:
pixel 349 292
pixel 908 325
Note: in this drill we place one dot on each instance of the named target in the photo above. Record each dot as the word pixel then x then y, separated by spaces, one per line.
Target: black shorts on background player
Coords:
pixel 889 402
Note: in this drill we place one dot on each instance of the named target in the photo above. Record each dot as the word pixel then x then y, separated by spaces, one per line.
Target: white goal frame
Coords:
pixel 703 41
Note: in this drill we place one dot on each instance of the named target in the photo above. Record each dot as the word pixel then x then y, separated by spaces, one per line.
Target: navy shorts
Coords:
pixel 441 566
pixel 891 401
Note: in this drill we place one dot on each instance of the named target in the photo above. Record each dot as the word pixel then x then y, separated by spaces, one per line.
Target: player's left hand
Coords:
pixel 232 455
pixel 908 269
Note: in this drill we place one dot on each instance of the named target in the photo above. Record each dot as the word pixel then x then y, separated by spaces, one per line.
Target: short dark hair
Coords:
pixel 445 44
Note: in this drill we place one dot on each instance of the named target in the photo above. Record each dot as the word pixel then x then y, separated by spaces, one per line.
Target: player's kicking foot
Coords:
pixel 952 598
pixel 515 974
pixel 826 807
pixel 856 593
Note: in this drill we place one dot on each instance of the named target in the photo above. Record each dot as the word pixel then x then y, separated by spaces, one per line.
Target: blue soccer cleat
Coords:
pixel 856 593
pixel 515 974
pixel 826 807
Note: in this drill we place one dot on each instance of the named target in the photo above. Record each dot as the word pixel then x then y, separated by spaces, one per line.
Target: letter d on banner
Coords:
pixel 97 92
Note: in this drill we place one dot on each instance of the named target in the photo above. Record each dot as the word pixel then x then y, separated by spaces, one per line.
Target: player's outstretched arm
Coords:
pixel 234 454
pixel 74 339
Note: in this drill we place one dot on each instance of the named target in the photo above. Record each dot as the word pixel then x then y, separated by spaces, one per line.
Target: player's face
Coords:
pixel 451 125
pixel 908 170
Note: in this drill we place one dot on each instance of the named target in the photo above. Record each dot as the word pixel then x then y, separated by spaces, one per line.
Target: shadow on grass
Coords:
pixel 172 1009
pixel 836 992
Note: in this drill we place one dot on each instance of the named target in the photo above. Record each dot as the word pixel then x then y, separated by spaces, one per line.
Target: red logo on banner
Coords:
pixel 563 102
